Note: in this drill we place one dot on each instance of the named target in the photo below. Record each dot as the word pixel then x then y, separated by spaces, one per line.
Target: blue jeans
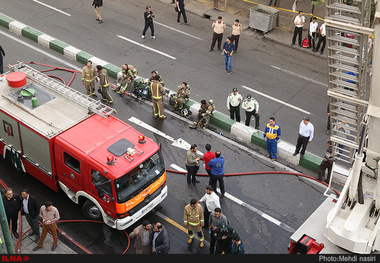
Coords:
pixel 227 61
pixel 272 147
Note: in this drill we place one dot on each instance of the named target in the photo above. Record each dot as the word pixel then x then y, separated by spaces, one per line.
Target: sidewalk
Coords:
pixel 27 243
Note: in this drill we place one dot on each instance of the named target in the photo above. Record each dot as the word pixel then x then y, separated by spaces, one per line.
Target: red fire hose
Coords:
pixel 258 173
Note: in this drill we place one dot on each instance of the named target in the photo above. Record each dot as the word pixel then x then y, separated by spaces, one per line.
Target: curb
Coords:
pixel 220 120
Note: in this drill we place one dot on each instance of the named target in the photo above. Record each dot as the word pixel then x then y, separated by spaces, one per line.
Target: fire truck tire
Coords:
pixel 91 211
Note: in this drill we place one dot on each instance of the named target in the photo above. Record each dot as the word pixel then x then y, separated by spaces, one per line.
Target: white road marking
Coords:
pixel 180 143
pixel 300 76
pixel 178 168
pixel 41 51
pixel 144 46
pixel 52 7
pixel 277 100
pixel 177 30
pixel 249 207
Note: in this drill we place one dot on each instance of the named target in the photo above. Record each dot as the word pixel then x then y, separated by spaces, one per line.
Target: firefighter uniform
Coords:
pixel 193 218
pixel 104 86
pixel 157 90
pixel 182 96
pixel 129 73
pixel 88 78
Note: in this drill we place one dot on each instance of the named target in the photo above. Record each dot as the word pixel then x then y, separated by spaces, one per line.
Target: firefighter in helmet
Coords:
pixel 204 114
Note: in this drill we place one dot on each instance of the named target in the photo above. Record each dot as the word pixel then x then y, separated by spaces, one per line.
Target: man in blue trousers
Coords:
pixel 272 133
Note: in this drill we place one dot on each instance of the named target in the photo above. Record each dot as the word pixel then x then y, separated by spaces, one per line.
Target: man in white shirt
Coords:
pixel 298 23
pixel 313 33
pixel 305 136
pixel 212 202
pixel 233 104
pixel 251 107
pixel 322 38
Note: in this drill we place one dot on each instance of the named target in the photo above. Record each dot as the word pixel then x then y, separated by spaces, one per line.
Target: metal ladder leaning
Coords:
pixel 347 34
pixel 92 105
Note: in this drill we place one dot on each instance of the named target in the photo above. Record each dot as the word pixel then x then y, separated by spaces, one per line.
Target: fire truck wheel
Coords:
pixel 91 211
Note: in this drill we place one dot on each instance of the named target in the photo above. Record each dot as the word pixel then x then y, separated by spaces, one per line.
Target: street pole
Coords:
pixel 5 229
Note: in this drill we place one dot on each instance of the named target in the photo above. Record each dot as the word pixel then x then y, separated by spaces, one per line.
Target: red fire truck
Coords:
pixel 72 142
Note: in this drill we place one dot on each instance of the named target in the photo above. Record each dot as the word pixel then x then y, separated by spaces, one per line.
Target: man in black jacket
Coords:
pixel 223 236
pixel 12 205
pixel 161 242
pixel 31 209
pixel 148 17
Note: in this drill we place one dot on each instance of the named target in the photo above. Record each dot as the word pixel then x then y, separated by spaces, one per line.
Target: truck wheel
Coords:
pixel 91 211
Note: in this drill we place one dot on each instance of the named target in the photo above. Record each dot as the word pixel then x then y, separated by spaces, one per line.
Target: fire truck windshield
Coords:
pixel 139 178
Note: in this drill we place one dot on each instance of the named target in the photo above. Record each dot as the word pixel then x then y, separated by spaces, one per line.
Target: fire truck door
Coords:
pixel 70 172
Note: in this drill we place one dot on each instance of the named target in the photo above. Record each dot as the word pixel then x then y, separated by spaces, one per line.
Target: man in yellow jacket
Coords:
pixel 88 78
pixel 193 219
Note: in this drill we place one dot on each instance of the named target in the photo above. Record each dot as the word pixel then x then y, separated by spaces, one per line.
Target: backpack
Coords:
pixel 305 43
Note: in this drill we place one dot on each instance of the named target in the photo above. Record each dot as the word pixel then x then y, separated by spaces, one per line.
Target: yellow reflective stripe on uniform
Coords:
pixel 155 97
pixel 194 224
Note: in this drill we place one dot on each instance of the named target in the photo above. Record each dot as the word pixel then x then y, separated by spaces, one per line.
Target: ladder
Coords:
pixel 92 105
pixel 347 34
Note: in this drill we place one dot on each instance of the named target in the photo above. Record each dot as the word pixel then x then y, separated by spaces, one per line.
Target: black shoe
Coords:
pixel 15 235
pixel 219 50
pixel 37 239
pixel 53 248
pixel 321 53
pixel 196 182
pixel 295 153
pixel 31 233
pixel 292 44
pixel 36 248
pixel 210 50
pixel 190 186
pixel 301 156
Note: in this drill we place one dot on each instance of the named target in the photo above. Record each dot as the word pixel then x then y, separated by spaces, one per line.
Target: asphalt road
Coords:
pixel 277 71
pixel 263 209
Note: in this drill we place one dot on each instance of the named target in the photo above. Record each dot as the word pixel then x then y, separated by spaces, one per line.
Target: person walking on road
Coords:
pixel 192 165
pixel 193 219
pixel 2 54
pixel 161 240
pixel 96 4
pixel 237 245
pixel 235 35
pixel 157 91
pixel 251 107
pixel 298 27
pixel 212 201
pixel 215 220
pixel 12 205
pixel 148 17
pixel 233 104
pixel 144 236
pixel 223 235
pixel 50 216
pixel 305 136
pixel 272 132
pixel 219 26
pixel 88 78
pixel 228 50
pixel 181 10
pixel 327 163
pixel 104 84
pixel 217 172
pixel 31 209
